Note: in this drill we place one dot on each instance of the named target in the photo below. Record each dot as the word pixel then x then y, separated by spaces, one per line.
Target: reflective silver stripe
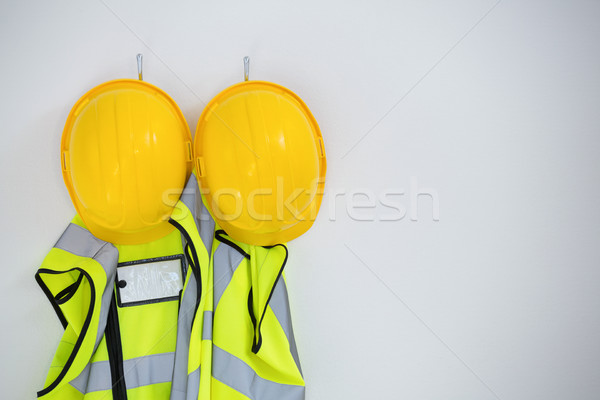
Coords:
pixel 141 371
pixel 280 306
pixel 207 325
pixel 96 376
pixel 79 241
pixel 193 388
pixel 239 376
pixel 184 329
pixel 204 222
pixel 147 370
pixel 193 385
pixel 226 261
pixel 183 386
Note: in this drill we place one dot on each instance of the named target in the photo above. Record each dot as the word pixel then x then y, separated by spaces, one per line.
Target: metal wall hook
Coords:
pixel 139 64
pixel 246 68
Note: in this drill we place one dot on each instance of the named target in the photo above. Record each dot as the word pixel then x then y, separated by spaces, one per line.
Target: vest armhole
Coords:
pixel 84 328
pixel 51 299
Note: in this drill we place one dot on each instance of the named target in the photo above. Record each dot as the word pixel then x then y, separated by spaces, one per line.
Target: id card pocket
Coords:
pixel 153 280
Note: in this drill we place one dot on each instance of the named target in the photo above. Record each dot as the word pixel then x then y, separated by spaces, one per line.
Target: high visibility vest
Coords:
pixel 254 350
pixel 245 348
pixel 226 335
pixel 119 305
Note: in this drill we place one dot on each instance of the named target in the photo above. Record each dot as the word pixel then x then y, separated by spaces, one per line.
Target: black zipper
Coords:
pixel 115 352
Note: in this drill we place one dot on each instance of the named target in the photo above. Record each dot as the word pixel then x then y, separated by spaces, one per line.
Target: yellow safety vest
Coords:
pixel 247 345
pixel 111 344
pixel 227 335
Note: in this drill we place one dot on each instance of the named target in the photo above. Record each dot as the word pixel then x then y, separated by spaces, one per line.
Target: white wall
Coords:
pixel 498 299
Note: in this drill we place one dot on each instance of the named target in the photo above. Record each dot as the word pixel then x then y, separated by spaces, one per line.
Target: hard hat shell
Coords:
pixel 126 155
pixel 261 163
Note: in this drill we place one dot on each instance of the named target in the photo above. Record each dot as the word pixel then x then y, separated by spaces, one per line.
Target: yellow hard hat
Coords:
pixel 126 155
pixel 260 161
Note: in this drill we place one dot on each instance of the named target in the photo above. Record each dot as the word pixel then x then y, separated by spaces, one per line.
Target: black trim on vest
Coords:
pixel 251 309
pixel 257 342
pixel 193 261
pixel 115 352
pixel 84 329
pixel 52 300
pixel 64 295
pixel 220 236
